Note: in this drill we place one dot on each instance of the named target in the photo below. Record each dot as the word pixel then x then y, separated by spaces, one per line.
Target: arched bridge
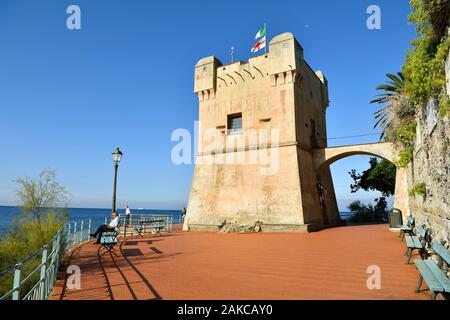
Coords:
pixel 326 156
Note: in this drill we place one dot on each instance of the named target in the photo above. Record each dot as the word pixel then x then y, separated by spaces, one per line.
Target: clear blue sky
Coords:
pixel 68 98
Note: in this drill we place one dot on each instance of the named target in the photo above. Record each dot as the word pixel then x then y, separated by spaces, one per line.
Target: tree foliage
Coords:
pixel 368 213
pixel 430 17
pixel 392 93
pixel 380 177
pixel 40 194
pixel 39 221
pixel 424 68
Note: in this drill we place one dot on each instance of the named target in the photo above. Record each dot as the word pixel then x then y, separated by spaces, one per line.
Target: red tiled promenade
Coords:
pixel 329 264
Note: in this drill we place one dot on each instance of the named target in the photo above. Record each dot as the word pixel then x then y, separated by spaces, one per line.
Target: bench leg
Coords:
pixel 419 283
pixel 423 254
pixel 409 255
pixel 406 251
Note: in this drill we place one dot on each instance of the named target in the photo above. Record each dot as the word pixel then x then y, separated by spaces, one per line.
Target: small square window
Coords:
pixel 235 123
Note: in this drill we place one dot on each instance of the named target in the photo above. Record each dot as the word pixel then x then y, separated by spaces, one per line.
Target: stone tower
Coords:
pixel 259 123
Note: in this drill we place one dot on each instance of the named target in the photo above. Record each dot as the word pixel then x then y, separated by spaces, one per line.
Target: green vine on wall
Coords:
pixel 424 68
pixel 422 77
pixel 418 189
pixel 405 156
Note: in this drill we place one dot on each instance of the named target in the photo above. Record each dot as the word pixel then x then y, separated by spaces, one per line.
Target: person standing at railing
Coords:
pixel 127 215
pixel 183 215
pixel 106 227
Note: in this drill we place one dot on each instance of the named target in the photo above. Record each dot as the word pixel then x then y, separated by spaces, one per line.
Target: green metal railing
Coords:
pixel 39 270
pixel 34 277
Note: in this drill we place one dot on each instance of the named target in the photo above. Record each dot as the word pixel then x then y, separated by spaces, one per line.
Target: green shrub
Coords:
pixel 405 156
pixel 33 228
pixel 23 239
pixel 444 105
pixel 418 189
pixel 406 132
pixel 424 69
pixel 368 213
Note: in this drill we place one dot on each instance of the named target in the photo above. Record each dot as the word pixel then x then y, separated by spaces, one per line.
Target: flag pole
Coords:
pixel 265 47
pixel 232 54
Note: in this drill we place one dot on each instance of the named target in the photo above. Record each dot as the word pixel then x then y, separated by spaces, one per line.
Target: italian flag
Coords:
pixel 261 44
pixel 261 32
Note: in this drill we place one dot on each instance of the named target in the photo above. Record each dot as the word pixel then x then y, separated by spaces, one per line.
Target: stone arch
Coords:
pixel 326 156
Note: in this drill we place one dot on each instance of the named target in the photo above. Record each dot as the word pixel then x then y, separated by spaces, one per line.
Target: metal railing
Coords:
pixel 36 275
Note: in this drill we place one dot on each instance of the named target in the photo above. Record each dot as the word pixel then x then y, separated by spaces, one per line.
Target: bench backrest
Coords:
pixel 109 237
pixel 422 232
pixel 441 251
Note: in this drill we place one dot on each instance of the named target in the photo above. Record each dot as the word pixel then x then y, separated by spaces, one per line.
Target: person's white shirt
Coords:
pixel 114 222
pixel 127 211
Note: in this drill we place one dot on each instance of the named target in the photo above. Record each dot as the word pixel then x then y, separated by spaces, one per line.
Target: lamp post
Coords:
pixel 117 156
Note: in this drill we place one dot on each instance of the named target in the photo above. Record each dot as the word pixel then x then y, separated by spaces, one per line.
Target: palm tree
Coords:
pixel 393 90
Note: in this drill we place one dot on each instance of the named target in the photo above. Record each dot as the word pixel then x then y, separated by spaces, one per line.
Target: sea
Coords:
pixel 98 216
pixel 7 214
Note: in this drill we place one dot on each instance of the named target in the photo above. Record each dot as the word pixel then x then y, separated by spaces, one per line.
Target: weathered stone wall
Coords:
pixel 431 165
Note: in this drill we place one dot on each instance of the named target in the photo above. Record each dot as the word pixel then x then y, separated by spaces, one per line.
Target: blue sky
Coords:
pixel 68 98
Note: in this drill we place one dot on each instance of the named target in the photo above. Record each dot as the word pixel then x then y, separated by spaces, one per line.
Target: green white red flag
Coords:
pixel 261 35
pixel 261 44
pixel 261 32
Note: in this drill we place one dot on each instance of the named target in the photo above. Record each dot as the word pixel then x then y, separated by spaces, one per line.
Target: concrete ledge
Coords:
pixel 312 227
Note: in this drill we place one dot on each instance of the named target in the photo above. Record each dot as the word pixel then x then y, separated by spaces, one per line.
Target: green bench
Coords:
pixel 416 243
pixel 435 278
pixel 408 228
pixel 156 225
pixel 108 241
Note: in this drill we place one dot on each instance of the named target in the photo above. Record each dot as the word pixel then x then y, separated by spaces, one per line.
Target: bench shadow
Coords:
pixel 92 265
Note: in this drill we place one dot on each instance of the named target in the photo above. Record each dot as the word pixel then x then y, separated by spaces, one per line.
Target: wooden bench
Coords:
pixel 416 243
pixel 435 278
pixel 108 241
pixel 408 228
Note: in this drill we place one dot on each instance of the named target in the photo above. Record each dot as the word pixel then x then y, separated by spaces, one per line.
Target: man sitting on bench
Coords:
pixel 106 227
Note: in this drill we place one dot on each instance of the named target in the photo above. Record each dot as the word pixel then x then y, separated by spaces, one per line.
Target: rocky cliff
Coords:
pixel 430 169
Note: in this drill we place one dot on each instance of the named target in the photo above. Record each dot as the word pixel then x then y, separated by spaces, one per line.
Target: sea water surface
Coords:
pixel 98 216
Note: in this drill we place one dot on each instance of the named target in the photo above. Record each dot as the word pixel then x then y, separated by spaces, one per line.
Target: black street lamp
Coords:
pixel 117 156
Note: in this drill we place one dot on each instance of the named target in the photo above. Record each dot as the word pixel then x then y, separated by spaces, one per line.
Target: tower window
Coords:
pixel 235 123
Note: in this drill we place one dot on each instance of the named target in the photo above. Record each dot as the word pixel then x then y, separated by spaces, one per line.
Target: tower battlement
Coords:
pixel 284 63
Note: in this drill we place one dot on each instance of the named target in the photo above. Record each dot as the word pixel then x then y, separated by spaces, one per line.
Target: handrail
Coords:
pixel 66 238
